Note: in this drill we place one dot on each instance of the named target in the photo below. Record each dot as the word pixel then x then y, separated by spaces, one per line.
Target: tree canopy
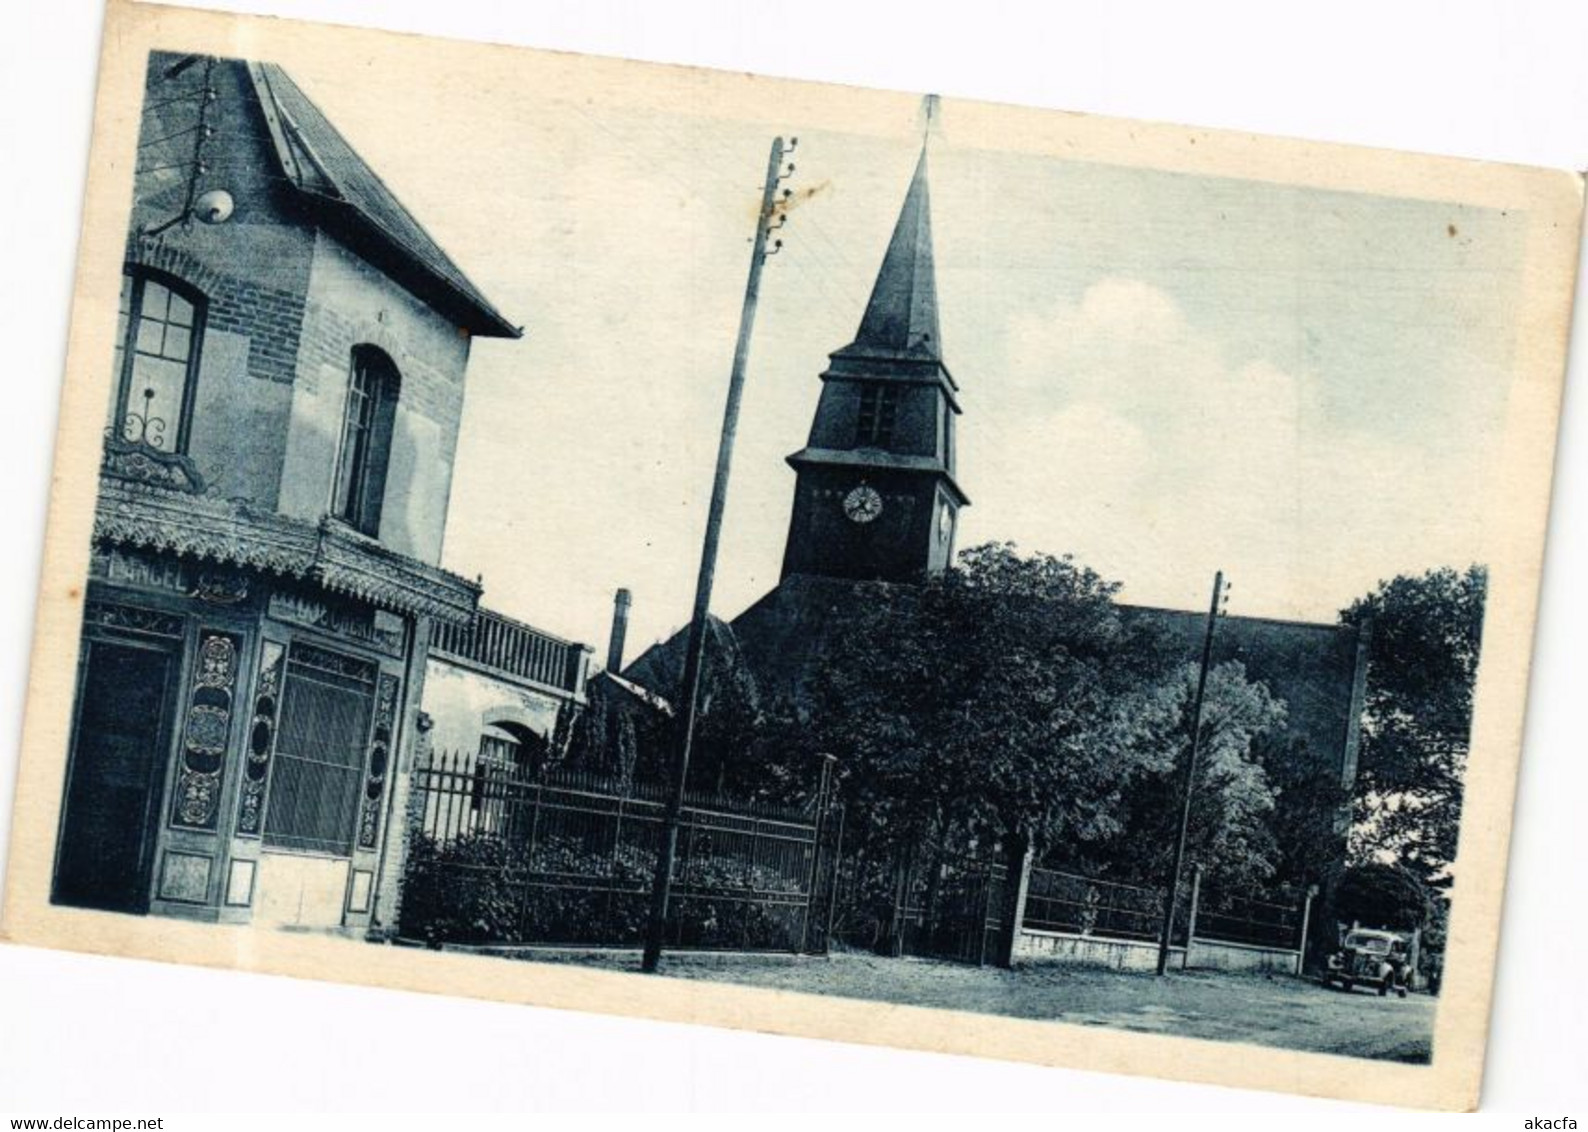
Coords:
pixel 1417 717
pixel 1233 803
pixel 1380 895
pixel 995 697
pixel 1009 697
pixel 1008 701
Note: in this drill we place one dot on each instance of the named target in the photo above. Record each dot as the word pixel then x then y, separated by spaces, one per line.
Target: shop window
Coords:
pixel 322 738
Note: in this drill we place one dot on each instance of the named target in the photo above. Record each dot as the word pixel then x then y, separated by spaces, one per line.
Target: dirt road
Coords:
pixel 1268 1010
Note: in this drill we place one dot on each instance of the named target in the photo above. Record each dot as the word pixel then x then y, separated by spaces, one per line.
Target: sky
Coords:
pixel 1162 374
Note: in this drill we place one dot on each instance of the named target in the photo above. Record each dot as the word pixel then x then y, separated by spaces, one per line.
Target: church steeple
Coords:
pixel 876 496
pixel 901 317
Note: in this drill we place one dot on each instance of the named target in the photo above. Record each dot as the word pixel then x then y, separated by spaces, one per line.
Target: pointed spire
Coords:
pixel 901 317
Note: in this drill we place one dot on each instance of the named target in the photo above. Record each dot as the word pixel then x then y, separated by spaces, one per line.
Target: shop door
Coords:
pixel 113 792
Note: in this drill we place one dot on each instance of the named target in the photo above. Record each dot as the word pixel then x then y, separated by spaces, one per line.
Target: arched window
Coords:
pixel 511 757
pixel 366 440
pixel 517 749
pixel 158 336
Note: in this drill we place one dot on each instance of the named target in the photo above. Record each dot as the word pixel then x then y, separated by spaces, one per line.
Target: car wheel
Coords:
pixel 1346 985
pixel 1383 988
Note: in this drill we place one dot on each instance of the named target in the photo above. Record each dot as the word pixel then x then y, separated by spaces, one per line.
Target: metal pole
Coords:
pixel 832 892
pixel 823 785
pixel 689 698
pixel 1306 923
pixel 1186 789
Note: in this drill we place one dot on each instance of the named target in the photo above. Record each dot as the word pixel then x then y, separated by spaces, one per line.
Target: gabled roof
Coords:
pixel 320 164
pixel 901 316
pixel 660 668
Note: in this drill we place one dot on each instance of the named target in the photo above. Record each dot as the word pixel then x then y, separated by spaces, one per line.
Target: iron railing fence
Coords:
pixel 957 907
pixel 861 887
pixel 1270 920
pixel 1059 901
pixel 498 855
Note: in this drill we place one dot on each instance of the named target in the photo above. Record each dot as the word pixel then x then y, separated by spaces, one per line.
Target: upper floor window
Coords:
pixel 366 440
pixel 878 406
pixel 157 354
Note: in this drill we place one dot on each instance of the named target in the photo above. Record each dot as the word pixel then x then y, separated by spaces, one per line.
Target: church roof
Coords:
pixel 317 161
pixel 901 316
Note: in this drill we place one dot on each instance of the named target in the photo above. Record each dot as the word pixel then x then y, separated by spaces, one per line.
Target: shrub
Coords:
pixel 481 888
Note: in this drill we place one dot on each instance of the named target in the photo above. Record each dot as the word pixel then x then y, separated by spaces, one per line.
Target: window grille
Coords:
pixel 321 745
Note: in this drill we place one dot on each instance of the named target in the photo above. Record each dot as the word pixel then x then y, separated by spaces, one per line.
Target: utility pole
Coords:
pixel 694 655
pixel 1188 785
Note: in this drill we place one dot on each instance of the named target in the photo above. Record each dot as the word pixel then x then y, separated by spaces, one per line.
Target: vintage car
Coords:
pixel 1377 959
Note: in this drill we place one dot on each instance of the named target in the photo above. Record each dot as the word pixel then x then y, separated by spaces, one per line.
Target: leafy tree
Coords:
pixel 618 735
pixel 999 698
pixel 1231 830
pixel 740 733
pixel 1311 811
pixel 1380 895
pixel 729 722
pixel 1417 718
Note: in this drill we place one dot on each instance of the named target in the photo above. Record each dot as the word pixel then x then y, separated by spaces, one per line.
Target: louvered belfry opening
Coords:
pixel 319 765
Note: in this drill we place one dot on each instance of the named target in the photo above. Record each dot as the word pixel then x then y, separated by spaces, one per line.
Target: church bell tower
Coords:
pixel 876 496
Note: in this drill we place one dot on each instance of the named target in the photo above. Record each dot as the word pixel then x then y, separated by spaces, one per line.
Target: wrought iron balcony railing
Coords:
pixel 504 647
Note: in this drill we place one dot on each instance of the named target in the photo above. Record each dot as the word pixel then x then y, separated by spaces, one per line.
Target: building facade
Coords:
pixel 503 688
pixel 265 580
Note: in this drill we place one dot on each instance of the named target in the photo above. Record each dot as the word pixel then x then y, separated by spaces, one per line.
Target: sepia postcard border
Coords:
pixel 1516 507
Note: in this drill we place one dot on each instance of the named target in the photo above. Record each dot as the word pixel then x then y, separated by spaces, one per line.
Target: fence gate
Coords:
pixel 503 854
pixel 953 909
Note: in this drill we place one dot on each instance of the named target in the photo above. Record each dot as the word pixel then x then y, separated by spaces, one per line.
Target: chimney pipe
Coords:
pixel 620 629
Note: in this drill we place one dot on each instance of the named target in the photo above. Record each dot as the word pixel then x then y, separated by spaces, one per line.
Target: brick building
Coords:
pixel 265 581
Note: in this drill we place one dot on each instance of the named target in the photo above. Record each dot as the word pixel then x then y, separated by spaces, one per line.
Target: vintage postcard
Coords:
pixel 842 563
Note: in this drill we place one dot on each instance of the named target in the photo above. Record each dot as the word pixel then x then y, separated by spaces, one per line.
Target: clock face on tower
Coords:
pixel 863 504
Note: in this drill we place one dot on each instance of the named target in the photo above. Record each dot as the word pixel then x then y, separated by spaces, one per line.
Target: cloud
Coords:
pixel 1123 433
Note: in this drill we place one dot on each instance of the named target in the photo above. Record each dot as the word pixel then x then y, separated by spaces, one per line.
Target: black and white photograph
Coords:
pixel 529 516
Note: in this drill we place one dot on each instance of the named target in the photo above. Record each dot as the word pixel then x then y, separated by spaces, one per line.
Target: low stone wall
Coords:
pixel 1035 946
pixel 1061 947
pixel 1216 955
